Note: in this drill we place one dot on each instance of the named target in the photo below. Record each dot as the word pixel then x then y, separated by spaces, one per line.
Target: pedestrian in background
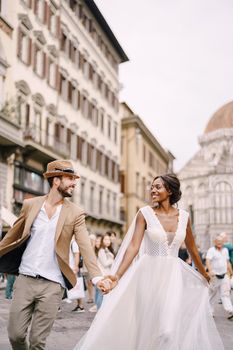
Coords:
pixel 86 275
pixel 10 280
pixel 218 265
pixel 114 247
pixel 97 244
pixel 2 277
pixel 104 260
pixel 76 263
pixel 96 250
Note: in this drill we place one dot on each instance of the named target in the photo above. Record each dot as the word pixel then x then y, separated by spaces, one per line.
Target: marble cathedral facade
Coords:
pixel 207 180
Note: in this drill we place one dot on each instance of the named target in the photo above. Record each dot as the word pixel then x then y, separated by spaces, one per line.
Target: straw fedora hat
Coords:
pixel 60 168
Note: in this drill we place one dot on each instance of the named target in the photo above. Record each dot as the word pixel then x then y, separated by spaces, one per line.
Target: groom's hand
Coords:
pixel 104 285
pixel 107 283
pixel 114 280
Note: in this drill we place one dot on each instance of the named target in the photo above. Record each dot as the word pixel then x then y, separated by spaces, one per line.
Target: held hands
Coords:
pixel 208 277
pixel 107 283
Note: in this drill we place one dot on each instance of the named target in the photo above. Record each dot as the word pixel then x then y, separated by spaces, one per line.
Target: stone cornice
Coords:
pixel 136 121
pixel 64 72
pixel 4 63
pixel 65 29
pixel 215 135
pixel 51 108
pixel 22 86
pixel 63 120
pixel 84 135
pixel 40 36
pixel 24 19
pixel 53 50
pixel 6 27
pixel 94 141
pixel 74 127
pixel 39 99
pixel 74 82
pixel 75 41
pixel 55 3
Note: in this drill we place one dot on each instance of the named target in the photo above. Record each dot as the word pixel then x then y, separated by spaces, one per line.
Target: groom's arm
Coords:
pixel 87 252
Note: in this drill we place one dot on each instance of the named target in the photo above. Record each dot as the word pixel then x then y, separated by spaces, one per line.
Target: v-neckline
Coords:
pixel 163 229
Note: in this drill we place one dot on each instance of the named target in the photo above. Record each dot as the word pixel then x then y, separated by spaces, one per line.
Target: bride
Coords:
pixel 158 302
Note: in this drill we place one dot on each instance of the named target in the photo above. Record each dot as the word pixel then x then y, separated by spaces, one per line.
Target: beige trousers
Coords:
pixel 35 302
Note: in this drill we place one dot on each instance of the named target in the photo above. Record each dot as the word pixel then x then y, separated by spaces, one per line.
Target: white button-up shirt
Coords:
pixel 39 257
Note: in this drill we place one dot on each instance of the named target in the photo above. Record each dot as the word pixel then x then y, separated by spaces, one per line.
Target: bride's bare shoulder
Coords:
pixel 140 219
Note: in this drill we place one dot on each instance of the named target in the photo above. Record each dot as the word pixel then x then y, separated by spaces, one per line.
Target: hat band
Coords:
pixel 66 170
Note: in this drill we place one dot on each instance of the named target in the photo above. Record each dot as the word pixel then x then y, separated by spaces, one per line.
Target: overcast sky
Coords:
pixel 181 64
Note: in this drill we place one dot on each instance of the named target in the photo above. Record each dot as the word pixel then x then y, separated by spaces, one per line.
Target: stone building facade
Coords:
pixel 207 180
pixel 142 158
pixel 60 100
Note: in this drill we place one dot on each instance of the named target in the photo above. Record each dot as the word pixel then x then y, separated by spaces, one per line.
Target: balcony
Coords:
pixel 106 213
pixel 10 132
pixel 40 139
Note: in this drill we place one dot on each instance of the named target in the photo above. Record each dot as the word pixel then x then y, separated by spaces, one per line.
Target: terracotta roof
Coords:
pixel 222 119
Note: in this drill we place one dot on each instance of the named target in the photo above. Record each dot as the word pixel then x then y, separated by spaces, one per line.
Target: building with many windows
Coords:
pixel 207 180
pixel 142 158
pixel 61 102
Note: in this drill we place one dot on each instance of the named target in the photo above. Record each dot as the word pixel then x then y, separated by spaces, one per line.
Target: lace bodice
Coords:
pixel 156 241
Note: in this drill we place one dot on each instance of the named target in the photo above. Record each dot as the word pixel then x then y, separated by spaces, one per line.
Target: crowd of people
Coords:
pixel 105 247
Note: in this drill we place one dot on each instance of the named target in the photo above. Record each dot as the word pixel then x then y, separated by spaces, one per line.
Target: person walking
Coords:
pixel 96 248
pixel 114 242
pixel 105 260
pixel 87 279
pixel 218 264
pixel 158 302
pixel 37 247
pixel 75 264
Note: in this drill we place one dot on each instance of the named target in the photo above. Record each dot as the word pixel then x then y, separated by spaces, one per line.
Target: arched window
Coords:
pixel 223 203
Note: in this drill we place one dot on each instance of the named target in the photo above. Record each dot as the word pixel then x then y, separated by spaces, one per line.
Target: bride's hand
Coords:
pixel 207 277
pixel 113 279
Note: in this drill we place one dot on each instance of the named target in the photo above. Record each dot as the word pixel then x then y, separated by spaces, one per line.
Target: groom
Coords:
pixel 37 248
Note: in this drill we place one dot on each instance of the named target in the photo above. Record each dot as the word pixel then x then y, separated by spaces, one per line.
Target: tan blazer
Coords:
pixel 70 222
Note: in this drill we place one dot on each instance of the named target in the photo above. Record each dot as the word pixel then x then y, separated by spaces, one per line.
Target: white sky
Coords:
pixel 181 64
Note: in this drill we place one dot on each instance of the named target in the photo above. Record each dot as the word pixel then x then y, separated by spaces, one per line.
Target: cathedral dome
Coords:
pixel 222 119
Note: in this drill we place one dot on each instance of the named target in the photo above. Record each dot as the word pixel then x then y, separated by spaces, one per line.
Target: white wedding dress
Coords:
pixel 160 303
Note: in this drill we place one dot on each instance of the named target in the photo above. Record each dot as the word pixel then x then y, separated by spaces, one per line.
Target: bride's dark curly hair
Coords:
pixel 172 184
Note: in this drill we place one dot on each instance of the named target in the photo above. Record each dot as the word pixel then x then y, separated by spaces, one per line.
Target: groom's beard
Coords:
pixel 66 191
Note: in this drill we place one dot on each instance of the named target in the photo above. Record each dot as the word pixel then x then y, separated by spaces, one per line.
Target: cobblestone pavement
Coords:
pixel 70 326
